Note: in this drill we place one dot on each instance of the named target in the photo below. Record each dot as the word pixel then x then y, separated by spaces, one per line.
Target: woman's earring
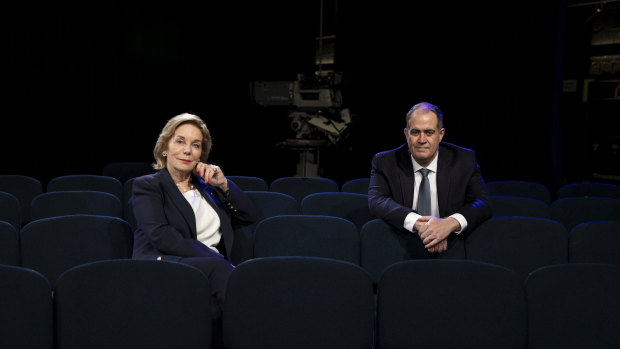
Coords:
pixel 164 154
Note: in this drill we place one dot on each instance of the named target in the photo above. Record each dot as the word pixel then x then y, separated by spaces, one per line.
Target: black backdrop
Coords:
pixel 94 82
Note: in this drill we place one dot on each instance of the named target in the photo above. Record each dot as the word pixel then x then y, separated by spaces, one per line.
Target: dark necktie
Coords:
pixel 424 196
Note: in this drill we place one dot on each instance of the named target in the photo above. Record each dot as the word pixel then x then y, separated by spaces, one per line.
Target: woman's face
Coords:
pixel 184 149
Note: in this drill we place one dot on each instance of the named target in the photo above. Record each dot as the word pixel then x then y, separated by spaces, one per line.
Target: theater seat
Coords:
pixel 104 184
pixel 450 304
pixel 62 203
pixel 133 304
pixel 298 302
pixel 576 210
pixel 249 183
pixel 9 244
pixel 526 189
pixel 27 312
pixel 303 235
pixel 595 242
pixel 521 244
pixel 24 188
pixel 574 306
pixel 357 185
pixel 53 245
pixel 299 187
pixel 589 190
pixel 350 206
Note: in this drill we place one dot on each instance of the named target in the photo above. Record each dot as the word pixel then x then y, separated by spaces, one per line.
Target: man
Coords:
pixel 459 200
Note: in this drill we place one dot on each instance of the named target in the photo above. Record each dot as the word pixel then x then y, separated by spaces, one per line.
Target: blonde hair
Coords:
pixel 168 131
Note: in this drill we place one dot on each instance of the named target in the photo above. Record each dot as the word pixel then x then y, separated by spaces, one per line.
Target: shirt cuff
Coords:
pixel 461 219
pixel 410 220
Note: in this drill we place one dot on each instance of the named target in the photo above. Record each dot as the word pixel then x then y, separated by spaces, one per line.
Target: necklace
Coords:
pixel 190 186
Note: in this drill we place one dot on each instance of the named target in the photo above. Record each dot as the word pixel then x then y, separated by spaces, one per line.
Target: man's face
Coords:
pixel 423 136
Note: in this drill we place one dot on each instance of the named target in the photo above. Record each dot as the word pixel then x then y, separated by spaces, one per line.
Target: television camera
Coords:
pixel 317 115
pixel 315 105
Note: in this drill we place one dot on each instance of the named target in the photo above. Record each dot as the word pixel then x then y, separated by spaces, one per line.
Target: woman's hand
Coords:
pixel 213 175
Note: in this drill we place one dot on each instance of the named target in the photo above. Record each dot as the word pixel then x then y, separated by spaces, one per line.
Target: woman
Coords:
pixel 186 211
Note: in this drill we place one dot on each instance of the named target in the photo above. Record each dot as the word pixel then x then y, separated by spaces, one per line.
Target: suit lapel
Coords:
pixel 443 181
pixel 205 191
pixel 406 175
pixel 179 201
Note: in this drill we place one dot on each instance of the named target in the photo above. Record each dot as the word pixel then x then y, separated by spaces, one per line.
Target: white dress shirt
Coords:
pixel 432 180
pixel 207 221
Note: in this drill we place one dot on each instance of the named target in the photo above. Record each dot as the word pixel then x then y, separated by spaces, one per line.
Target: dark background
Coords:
pixel 89 83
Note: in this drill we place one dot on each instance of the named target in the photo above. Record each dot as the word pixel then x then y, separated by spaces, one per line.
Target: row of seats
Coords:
pixel 25 189
pixel 100 193
pixel 309 302
pixel 352 206
pixel 53 245
pixel 126 170
pixel 570 212
pixel 522 244
pixel 107 304
pixel 299 187
pixel 540 192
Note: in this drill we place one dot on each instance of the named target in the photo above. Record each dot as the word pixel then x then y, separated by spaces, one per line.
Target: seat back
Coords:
pixel 589 190
pixel 302 235
pixel 10 209
pixel 133 304
pixel 595 242
pixel 249 183
pixel 574 306
pixel 520 188
pixel 126 203
pixel 124 170
pixel 521 244
pixel 269 204
pixel 81 182
pixel 350 206
pixel 381 245
pixel 24 188
pixel 298 302
pixel 127 190
pixel 62 203
pixel 519 206
pixel 300 187
pixel 53 245
pixel 450 304
pixel 27 312
pixel 357 185
pixel 577 210
pixel 243 248
pixel 128 214
pixel 9 244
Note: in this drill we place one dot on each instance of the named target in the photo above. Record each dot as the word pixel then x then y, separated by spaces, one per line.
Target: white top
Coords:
pixel 207 220
pixel 412 217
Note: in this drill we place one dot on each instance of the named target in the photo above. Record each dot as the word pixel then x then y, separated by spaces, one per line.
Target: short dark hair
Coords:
pixel 426 107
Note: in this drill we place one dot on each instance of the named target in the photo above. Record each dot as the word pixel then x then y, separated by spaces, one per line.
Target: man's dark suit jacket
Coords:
pixel 166 224
pixel 460 187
